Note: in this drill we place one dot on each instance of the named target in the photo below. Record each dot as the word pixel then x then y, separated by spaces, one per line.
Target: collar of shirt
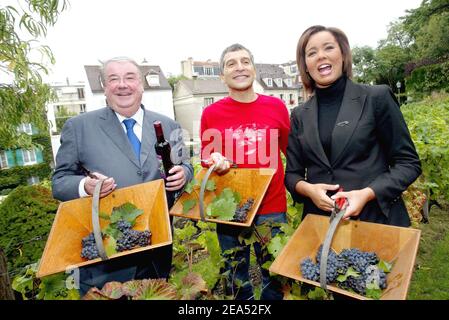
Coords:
pixel 138 116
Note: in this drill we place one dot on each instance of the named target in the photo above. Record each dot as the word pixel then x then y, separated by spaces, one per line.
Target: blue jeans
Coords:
pixel 238 262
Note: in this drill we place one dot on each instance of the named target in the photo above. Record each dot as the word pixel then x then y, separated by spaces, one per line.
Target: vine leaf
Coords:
pixel 350 272
pixel 156 289
pixel 192 285
pixel 191 185
pixel 211 185
pixel 187 205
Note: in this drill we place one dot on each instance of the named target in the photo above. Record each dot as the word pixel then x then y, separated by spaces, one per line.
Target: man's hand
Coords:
pixel 176 179
pixel 221 163
pixel 107 187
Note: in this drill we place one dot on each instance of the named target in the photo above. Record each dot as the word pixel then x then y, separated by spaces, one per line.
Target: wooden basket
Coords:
pixel 392 244
pixel 73 222
pixel 248 182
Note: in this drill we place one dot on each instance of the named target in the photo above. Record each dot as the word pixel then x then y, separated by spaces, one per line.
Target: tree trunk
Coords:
pixel 6 292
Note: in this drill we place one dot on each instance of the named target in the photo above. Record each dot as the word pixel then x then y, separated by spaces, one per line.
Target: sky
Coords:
pixel 165 32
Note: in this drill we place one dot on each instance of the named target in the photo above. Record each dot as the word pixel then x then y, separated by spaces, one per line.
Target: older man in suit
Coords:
pixel 100 142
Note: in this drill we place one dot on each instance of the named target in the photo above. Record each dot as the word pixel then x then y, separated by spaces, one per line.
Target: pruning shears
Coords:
pixel 339 205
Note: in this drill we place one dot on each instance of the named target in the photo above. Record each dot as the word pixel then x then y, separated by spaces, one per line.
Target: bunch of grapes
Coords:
pixel 364 263
pixel 131 238
pixel 89 249
pixel 242 212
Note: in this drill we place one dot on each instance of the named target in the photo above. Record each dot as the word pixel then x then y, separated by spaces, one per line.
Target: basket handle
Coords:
pixel 326 247
pixel 202 189
pixel 96 220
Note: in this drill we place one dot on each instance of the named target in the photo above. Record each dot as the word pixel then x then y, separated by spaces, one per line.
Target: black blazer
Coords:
pixel 371 147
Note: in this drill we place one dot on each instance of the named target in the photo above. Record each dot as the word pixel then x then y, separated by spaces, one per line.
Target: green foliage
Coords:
pixel 15 176
pixel 26 217
pixel 224 205
pixel 425 80
pixel 428 122
pixel 173 80
pixel 55 287
pixel 23 99
pixel 62 116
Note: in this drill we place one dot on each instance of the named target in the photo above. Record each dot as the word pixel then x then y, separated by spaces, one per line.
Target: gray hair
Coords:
pixel 117 59
pixel 233 48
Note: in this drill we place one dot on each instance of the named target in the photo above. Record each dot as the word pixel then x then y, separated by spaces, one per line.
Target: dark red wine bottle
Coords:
pixel 163 150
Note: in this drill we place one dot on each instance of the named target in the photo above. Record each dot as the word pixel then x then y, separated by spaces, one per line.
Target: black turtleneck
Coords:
pixel 329 101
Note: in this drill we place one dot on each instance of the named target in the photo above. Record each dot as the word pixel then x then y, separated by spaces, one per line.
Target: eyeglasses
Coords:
pixel 128 79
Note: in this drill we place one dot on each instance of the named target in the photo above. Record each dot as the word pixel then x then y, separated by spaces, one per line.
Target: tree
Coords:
pixel 23 97
pixel 364 59
pixel 173 80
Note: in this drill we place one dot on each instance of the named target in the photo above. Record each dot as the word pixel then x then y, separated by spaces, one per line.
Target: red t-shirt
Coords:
pixel 252 135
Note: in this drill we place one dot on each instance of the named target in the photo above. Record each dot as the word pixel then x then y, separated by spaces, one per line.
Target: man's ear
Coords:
pixel 222 78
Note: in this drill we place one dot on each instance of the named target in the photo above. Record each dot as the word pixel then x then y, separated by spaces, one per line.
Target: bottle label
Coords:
pixel 161 166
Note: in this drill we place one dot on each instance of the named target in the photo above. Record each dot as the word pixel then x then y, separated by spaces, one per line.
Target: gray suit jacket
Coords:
pixel 97 141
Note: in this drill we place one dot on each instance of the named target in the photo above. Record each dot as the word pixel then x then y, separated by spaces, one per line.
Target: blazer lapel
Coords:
pixel 347 119
pixel 111 126
pixel 311 134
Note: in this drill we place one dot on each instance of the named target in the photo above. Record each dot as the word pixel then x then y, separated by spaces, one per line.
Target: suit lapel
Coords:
pixel 310 119
pixel 113 129
pixel 347 119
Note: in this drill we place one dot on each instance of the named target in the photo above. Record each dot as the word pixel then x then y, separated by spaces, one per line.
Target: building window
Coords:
pixel 293 69
pixel 81 93
pixel 33 180
pixel 29 157
pixel 82 108
pixel 288 82
pixel 292 101
pixel 198 70
pixel 278 82
pixel 281 96
pixel 269 82
pixel 216 71
pixel 26 128
pixel 207 102
pixel 209 71
pixel 3 160
pixel 153 80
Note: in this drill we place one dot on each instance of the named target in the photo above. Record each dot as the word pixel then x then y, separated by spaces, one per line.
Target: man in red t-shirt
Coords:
pixel 250 129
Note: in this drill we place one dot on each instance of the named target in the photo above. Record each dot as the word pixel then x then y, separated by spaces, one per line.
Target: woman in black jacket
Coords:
pixel 347 135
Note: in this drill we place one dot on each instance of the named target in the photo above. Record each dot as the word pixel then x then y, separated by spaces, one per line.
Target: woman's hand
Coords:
pixel 317 193
pixel 357 199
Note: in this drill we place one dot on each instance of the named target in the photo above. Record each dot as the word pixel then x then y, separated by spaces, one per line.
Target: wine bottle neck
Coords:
pixel 159 131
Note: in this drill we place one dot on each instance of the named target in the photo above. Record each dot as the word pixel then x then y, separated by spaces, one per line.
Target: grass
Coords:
pixel 430 280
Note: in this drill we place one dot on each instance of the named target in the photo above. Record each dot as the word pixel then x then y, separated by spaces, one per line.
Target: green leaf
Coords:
pixel 112 231
pixel 187 205
pixel 127 212
pixel 110 247
pixel 224 209
pixel 373 293
pixel 190 186
pixel 211 185
pixel 385 266
pixel 104 216
pixel 276 244
pixel 350 272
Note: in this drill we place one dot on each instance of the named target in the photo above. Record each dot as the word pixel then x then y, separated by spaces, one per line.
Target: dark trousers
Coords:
pixel 238 262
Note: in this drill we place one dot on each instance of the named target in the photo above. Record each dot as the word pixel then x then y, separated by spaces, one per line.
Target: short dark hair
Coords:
pixel 233 48
pixel 342 40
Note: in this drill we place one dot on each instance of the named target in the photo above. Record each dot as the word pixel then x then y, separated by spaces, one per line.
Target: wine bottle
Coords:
pixel 163 150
